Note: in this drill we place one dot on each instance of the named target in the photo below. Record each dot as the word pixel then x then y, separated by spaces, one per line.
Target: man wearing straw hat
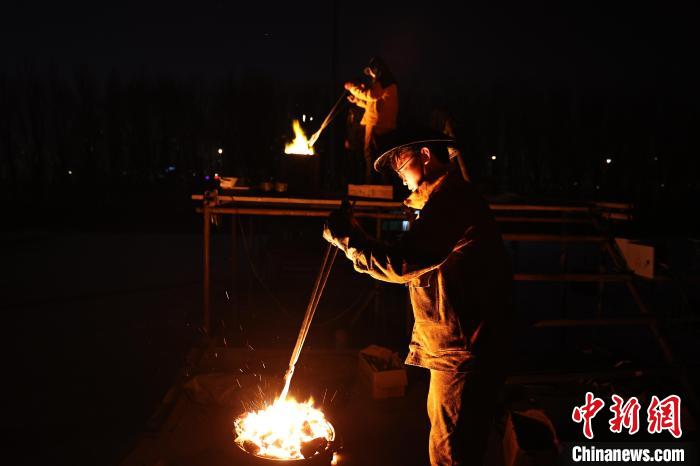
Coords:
pixel 459 278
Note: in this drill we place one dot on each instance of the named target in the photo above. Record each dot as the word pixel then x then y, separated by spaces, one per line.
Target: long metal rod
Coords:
pixel 319 286
pixel 327 120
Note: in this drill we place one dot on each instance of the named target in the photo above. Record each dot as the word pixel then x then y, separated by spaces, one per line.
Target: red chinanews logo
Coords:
pixel 661 415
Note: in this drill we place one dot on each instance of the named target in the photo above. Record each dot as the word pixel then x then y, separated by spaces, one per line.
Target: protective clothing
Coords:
pixel 381 105
pixel 460 283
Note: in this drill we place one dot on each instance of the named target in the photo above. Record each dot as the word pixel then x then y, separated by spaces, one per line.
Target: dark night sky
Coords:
pixel 427 47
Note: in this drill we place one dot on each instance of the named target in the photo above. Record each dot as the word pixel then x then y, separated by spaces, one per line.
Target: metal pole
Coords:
pixel 234 236
pixel 319 285
pixel 206 318
pixel 379 322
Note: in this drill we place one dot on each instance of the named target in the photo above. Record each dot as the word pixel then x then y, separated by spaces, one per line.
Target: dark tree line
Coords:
pixel 58 132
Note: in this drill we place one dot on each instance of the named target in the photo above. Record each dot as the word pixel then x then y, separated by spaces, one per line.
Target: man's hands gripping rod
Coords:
pixel 341 225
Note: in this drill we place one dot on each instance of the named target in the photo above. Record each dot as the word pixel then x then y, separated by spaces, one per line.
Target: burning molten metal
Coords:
pixel 285 430
pixel 300 145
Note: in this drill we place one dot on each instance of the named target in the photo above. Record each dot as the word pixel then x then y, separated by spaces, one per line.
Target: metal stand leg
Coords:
pixel 234 237
pixel 206 317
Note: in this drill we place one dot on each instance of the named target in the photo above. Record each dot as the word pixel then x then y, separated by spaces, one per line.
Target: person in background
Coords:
pixel 380 101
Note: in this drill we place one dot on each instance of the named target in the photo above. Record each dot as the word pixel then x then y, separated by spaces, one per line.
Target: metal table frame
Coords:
pixel 591 213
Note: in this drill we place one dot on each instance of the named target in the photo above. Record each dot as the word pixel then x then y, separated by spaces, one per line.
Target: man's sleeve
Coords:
pixel 423 248
pixel 360 103
pixel 369 95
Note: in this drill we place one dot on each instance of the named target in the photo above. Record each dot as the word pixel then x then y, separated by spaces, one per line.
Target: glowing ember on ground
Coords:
pixel 285 430
pixel 300 145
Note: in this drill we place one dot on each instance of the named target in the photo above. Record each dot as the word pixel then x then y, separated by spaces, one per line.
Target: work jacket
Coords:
pixel 458 274
pixel 381 106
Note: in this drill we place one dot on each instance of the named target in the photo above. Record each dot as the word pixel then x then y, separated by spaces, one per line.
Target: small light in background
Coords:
pixel 303 118
pixel 663 185
pixel 311 118
pixel 656 159
pixel 597 187
pixel 216 176
pixel 608 161
pixel 206 177
pixel 493 157
pixel 70 172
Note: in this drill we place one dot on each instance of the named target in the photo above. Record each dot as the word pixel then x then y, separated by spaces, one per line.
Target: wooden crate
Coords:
pixel 381 383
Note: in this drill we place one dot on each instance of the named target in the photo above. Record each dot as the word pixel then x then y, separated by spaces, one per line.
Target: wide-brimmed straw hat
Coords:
pixel 412 138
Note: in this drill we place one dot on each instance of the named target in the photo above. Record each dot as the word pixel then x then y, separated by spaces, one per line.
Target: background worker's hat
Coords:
pixel 412 138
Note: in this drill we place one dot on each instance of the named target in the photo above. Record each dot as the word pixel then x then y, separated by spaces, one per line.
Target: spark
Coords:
pixel 227 297
pixel 239 383
pixel 333 397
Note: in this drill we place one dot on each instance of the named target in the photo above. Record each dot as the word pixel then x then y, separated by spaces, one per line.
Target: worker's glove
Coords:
pixel 342 243
pixel 341 226
pixel 341 222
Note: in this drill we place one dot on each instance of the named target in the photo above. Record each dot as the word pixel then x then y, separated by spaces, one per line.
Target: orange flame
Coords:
pixel 280 430
pixel 300 145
